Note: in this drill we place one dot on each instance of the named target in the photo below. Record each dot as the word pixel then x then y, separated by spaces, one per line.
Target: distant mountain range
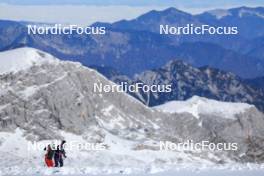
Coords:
pixel 134 46
pixel 248 20
pixel 257 83
pixel 188 81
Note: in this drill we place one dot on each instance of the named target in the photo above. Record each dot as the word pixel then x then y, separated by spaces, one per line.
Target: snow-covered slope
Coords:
pixel 55 100
pixel 219 13
pixel 122 156
pixel 23 58
pixel 199 105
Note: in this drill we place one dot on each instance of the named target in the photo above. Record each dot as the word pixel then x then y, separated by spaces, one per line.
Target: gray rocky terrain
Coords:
pixel 59 95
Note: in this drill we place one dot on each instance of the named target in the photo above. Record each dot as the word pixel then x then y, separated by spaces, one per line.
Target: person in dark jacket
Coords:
pixel 59 155
pixel 49 156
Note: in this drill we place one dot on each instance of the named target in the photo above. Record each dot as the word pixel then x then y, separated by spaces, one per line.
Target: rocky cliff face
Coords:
pixel 188 81
pixel 53 95
pixel 59 95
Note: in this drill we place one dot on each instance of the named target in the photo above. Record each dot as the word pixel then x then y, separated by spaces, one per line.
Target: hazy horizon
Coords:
pixel 84 13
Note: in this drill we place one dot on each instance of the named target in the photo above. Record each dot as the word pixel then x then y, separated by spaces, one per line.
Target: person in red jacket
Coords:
pixel 49 156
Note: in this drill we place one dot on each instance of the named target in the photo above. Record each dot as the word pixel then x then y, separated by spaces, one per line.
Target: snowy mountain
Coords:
pixel 23 59
pixel 199 105
pixel 248 20
pixel 47 99
pixel 37 84
pixel 219 13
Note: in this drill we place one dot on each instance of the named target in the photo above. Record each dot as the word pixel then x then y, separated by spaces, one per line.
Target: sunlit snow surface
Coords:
pixel 23 58
pixel 118 159
pixel 200 105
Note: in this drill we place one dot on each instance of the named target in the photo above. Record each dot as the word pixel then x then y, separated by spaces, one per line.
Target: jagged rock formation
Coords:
pixel 45 97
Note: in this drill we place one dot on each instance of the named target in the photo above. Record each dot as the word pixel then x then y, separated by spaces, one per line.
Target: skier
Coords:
pixel 49 156
pixel 59 154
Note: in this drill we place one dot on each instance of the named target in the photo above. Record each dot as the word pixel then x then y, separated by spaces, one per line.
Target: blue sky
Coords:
pixel 85 12
pixel 190 3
